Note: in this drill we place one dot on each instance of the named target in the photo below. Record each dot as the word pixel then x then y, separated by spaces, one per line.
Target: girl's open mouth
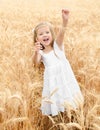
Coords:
pixel 46 39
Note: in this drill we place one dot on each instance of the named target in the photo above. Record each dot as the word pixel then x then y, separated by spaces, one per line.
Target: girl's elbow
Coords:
pixel 36 63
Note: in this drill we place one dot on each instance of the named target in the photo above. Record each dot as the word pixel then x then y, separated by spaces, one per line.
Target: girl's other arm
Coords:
pixel 60 36
pixel 37 55
pixel 36 58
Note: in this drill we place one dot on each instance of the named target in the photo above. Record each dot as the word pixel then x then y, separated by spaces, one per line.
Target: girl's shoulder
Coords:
pixel 56 46
pixel 41 52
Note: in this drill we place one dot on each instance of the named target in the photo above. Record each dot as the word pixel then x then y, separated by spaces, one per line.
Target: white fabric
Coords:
pixel 60 84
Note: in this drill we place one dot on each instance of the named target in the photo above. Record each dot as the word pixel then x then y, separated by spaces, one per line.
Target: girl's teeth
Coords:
pixel 45 40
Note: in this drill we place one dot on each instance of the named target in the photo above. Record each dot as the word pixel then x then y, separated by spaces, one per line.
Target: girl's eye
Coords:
pixel 47 32
pixel 41 34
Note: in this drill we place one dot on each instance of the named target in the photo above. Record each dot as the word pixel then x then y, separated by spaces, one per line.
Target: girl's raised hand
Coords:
pixel 65 15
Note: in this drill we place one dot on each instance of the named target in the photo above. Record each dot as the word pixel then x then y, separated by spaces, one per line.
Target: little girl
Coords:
pixel 60 85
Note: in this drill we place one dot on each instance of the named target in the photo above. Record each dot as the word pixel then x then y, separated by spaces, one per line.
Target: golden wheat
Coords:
pixel 21 84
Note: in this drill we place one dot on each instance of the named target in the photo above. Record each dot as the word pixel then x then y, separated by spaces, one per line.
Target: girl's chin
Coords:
pixel 46 44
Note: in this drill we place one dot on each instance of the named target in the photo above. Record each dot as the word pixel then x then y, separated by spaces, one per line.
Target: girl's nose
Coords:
pixel 45 34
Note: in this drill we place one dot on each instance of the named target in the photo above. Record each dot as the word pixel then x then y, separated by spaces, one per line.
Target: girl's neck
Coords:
pixel 48 49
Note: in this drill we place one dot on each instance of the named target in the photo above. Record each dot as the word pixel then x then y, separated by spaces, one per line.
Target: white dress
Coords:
pixel 60 84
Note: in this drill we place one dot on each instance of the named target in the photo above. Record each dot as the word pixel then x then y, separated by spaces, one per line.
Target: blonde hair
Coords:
pixel 41 25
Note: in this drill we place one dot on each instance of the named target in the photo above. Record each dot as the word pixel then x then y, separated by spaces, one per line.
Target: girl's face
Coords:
pixel 44 36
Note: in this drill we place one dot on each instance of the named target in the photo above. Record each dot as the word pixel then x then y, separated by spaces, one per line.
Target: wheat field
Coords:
pixel 21 83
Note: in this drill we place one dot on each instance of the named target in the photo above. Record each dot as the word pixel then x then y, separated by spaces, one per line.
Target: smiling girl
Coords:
pixel 60 84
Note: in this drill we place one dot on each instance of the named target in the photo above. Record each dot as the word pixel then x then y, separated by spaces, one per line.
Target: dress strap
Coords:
pixel 56 47
pixel 59 53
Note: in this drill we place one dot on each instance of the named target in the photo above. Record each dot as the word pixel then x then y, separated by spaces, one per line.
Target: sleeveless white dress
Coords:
pixel 60 85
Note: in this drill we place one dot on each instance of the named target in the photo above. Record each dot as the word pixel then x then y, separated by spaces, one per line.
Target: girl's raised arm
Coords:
pixel 60 36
